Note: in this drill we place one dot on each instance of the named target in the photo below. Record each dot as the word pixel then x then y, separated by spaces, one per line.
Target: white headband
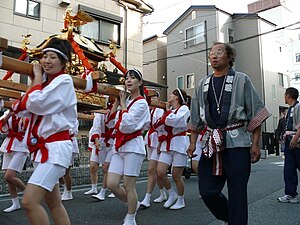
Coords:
pixel 138 72
pixel 55 50
pixel 181 96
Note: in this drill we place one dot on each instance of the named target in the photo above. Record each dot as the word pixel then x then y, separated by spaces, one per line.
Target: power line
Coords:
pixel 204 50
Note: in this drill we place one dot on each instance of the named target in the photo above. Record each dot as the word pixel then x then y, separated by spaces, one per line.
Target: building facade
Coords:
pixel 191 35
pixel 154 62
pixel 114 20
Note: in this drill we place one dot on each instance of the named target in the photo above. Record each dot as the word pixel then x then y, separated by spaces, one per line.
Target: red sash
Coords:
pixel 38 142
pixel 151 129
pixel 169 130
pixel 94 136
pixel 169 137
pixel 13 132
pixel 122 138
pixel 107 135
pixel 12 135
pixel 40 145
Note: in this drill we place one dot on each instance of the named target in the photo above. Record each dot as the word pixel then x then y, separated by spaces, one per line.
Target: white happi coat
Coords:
pixel 74 132
pixel 137 118
pixel 178 121
pixel 104 119
pixel 95 130
pixel 57 104
pixel 154 136
pixel 17 146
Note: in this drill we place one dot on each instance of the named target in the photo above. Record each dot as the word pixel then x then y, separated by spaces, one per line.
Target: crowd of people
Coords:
pixel 224 110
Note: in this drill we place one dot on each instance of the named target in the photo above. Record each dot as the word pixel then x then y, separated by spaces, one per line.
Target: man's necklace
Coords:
pixel 218 101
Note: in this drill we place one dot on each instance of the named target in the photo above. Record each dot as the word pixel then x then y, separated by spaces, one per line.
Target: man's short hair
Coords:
pixel 230 51
pixel 292 93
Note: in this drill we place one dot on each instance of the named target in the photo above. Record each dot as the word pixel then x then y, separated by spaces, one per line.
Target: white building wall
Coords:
pixel 51 21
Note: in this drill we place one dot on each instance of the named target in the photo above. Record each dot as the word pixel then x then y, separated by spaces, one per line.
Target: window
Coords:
pixel 230 35
pixel 105 28
pixel 280 80
pixel 190 81
pixel 297 57
pixel 194 16
pixel 297 76
pixel 194 35
pixel 273 92
pixel 28 8
pixel 283 80
pixel 180 82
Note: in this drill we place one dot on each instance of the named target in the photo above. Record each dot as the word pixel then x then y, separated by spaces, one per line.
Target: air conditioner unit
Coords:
pixel 64 3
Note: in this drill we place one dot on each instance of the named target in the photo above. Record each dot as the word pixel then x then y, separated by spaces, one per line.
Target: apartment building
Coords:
pixel 191 34
pixel 154 62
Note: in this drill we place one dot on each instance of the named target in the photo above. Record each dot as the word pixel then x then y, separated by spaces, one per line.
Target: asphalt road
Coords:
pixel 266 184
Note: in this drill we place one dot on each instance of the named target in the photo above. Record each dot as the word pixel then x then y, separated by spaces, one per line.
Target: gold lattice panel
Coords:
pixel 91 101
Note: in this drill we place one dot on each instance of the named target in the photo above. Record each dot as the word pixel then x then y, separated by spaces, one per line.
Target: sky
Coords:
pixel 167 11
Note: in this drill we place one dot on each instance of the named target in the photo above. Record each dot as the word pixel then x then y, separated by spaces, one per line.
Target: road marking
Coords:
pixel 278 163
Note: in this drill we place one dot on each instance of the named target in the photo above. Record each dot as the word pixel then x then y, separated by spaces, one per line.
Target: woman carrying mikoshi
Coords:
pixel 104 140
pixel 151 142
pixel 95 159
pixel 130 122
pixel 15 153
pixel 50 103
pixel 172 127
pixel 66 180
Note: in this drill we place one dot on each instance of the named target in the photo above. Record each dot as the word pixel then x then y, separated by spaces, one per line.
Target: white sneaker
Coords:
pixel 90 192
pixel 129 221
pixel 172 198
pixel 112 195
pixel 145 204
pixel 178 205
pixel 225 223
pixel 161 198
pixel 288 199
pixel 138 204
pixel 12 208
pixel 66 196
pixel 100 196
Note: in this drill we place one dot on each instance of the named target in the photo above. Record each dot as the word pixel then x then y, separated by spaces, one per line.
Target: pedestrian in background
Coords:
pixel 228 104
pixel 292 147
pixel 281 127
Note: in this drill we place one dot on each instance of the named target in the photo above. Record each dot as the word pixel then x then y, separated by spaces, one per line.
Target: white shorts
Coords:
pixel 46 175
pixel 152 153
pixel 102 157
pixel 128 164
pixel 14 161
pixel 175 158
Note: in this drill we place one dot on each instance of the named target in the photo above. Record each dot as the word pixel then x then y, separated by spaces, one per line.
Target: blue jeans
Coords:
pixel 291 164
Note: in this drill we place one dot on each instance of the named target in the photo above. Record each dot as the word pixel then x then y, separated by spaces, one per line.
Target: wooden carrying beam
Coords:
pixel 85 116
pixel 3 44
pixel 25 68
pixel 158 104
pixel 9 93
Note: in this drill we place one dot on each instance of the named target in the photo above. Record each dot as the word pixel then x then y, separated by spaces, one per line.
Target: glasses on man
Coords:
pixel 218 53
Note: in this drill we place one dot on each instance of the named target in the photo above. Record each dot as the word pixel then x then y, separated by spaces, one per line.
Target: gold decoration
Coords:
pixel 121 80
pixel 25 41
